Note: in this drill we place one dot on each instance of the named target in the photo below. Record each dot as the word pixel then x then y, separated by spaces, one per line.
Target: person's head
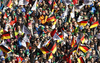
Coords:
pixel 93 52
pixel 98 47
pixel 81 13
pixel 94 18
pixel 59 21
pixel 10 18
pixel 46 27
pixel 36 25
pixel 20 20
pixel 91 44
pixel 21 50
pixel 95 39
pixel 36 61
pixel 84 13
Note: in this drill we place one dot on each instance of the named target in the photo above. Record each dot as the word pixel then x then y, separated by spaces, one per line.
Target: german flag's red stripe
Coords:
pixel 86 48
pixel 9 3
pixel 44 50
pixel 53 47
pixel 4 49
pixel 51 19
pixel 5 35
pixel 80 60
pixel 83 22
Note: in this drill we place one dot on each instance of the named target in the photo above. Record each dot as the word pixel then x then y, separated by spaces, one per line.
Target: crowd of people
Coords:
pixel 27 35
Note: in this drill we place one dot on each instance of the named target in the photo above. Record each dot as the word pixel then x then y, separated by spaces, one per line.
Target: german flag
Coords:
pixel 82 39
pixel 54 22
pixel 9 4
pixel 83 23
pixel 44 50
pixel 80 60
pixel 53 32
pixel 51 19
pixel 61 36
pixel 4 49
pixel 50 56
pixel 83 48
pixel 73 42
pixel 5 36
pixel 52 47
pixel 95 24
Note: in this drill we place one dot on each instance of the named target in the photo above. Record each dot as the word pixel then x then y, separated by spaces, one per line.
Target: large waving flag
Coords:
pixel 34 6
pixel 95 24
pixel 83 48
pixel 73 42
pixel 10 3
pixel 82 39
pixel 50 56
pixel 53 18
pixel 44 50
pixel 5 49
pixel 80 60
pixel 52 47
pixel 83 23
pixel 5 36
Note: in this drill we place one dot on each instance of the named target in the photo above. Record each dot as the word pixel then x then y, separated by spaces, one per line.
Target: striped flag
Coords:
pixel 50 56
pixel 9 4
pixel 83 48
pixel 82 39
pixel 51 19
pixel 80 60
pixel 95 24
pixel 44 50
pixel 73 42
pixel 83 23
pixel 52 47
pixel 5 36
pixel 5 49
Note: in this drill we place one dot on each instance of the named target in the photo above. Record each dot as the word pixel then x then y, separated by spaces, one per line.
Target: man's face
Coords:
pixel 98 48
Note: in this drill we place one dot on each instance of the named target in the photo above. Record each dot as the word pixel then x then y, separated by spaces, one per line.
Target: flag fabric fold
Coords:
pixel 5 36
pixel 95 24
pixel 83 48
pixel 9 4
